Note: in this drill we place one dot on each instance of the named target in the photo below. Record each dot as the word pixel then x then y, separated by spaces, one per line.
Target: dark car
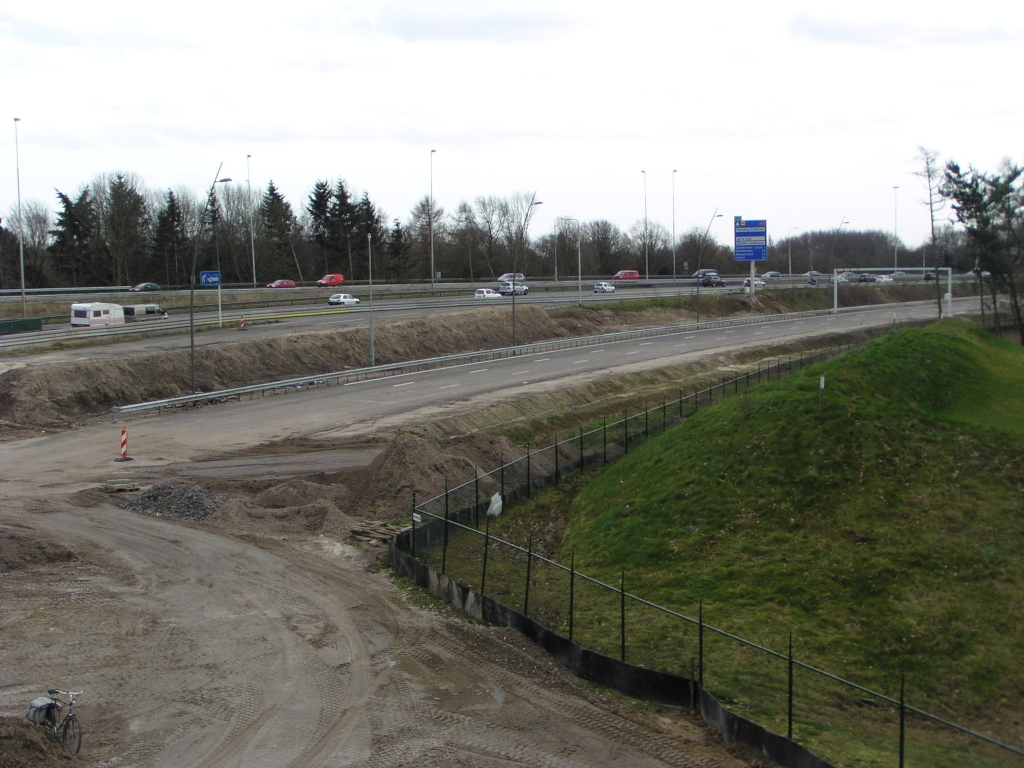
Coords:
pixel 700 274
pixel 712 281
pixel 866 279
pixel 282 284
pixel 145 287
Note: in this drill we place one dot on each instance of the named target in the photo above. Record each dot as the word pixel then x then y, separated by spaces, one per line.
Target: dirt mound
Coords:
pixel 20 548
pixel 23 745
pixel 182 502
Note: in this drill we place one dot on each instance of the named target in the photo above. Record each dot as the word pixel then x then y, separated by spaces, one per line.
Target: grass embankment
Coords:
pixel 885 531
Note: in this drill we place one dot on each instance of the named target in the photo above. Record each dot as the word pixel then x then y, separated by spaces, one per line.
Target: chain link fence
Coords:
pixel 839 721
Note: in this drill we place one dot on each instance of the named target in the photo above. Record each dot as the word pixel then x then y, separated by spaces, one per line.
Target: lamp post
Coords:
pixel 647 263
pixel 192 283
pixel 789 241
pixel 522 244
pixel 369 256
pixel 700 255
pixel 674 172
pixel 895 229
pixel 579 257
pixel 430 221
pixel 830 270
pixel 21 222
pixel 252 235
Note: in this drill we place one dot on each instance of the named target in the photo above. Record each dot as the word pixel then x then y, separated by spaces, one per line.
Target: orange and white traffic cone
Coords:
pixel 241 323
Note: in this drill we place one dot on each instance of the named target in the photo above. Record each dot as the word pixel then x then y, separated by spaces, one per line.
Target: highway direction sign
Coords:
pixel 751 239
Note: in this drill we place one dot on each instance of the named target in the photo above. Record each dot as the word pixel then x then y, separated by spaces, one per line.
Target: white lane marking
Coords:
pixel 542 360
pixel 448 386
pixel 678 345
pixel 758 333
pixel 719 338
pixel 595 351
pixel 729 331
pixel 577 362
pixel 645 343
pixel 519 373
pixel 406 384
pixel 690 336
pixel 632 353
pixel 480 370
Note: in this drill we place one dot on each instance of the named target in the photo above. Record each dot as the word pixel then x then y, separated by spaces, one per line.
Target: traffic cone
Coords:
pixel 241 323
pixel 124 445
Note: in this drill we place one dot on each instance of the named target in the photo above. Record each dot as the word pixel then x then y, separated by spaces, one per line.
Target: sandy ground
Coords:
pixel 270 634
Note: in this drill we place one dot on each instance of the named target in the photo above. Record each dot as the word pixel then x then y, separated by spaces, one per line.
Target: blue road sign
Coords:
pixel 751 239
pixel 209 278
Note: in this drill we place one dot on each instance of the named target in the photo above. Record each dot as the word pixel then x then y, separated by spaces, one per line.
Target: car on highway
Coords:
pixel 812 273
pixel 626 274
pixel 282 284
pixel 700 274
pixel 883 278
pixel 772 275
pixel 509 288
pixel 712 281
pixel 486 293
pixel 330 281
pixel 758 283
pixel 508 277
pixel 603 287
pixel 900 275
pixel 143 287
pixel 343 300
pixel 866 278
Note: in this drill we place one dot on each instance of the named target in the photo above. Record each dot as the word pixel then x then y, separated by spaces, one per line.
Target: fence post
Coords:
pixel 502 460
pixel 693 699
pixel 680 405
pixel 444 546
pixel 414 524
pixel 476 508
pixel 622 614
pixel 758 371
pixel 723 388
pixel 903 712
pixel 604 439
pixel 664 414
pixel 529 485
pixel 625 430
pixel 581 449
pixel 572 590
pixel 647 415
pixel 789 729
pixel 529 563
pixel 557 470
pixel 696 399
pixel 700 643
pixel 487 541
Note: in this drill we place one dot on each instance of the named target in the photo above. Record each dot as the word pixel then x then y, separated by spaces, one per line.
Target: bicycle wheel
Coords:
pixel 71 735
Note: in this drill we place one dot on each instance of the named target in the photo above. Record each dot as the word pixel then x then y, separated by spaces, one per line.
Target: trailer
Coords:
pixel 96 313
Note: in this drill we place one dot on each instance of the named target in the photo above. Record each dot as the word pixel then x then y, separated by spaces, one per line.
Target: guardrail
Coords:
pixel 449 361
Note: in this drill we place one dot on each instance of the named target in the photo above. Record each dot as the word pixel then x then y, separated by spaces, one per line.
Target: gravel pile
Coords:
pixel 185 502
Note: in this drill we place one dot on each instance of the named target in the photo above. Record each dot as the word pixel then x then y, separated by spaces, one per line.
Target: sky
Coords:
pixel 804 114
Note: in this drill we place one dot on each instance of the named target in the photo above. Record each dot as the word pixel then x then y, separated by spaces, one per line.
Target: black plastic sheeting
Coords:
pixel 637 682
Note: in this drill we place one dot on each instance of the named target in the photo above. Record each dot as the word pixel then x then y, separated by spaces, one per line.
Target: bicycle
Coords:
pixel 45 712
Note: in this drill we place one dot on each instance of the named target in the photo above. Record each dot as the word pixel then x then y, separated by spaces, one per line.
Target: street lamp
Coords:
pixel 647 263
pixel 21 222
pixel 789 241
pixel 700 255
pixel 252 236
pixel 430 221
pixel 895 230
pixel 674 172
pixel 192 284
pixel 579 257
pixel 369 256
pixel 522 244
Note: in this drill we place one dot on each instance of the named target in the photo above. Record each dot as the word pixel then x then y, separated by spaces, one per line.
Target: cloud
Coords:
pixel 834 29
pixel 470 22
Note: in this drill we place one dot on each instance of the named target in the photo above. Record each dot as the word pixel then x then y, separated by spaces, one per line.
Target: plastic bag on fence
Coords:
pixel 494 510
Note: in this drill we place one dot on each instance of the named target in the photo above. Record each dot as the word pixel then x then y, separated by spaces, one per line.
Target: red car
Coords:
pixel 626 274
pixel 331 281
pixel 282 284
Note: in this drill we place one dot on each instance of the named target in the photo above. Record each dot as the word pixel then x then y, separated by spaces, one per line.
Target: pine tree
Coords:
pixel 319 210
pixel 170 244
pixel 279 224
pixel 75 236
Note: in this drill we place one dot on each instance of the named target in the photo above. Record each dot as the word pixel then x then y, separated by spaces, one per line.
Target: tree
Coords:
pixel 608 246
pixel 318 208
pixel 278 226
pixel 75 237
pixel 170 244
pixel 991 208
pixel 36 237
pixel 399 251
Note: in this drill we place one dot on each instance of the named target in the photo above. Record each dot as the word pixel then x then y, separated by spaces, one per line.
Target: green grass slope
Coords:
pixel 886 531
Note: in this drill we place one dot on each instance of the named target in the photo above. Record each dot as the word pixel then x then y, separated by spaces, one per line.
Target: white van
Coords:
pixel 96 314
pixel 135 312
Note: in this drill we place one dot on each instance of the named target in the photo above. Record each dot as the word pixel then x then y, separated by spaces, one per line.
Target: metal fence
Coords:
pixel 838 720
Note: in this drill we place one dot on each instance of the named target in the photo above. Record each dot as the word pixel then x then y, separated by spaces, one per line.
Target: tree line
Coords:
pixel 115 231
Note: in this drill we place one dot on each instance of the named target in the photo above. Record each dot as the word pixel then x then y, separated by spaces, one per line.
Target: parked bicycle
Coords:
pixel 45 711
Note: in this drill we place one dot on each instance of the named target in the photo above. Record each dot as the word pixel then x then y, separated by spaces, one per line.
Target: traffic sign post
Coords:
pixel 212 277
pixel 750 243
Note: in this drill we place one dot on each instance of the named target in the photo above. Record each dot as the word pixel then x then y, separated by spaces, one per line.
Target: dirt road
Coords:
pixel 198 649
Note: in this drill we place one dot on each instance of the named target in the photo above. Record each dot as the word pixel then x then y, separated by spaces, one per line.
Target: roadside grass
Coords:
pixel 883 531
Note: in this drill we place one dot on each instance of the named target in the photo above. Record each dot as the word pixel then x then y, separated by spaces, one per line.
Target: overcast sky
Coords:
pixel 796 112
